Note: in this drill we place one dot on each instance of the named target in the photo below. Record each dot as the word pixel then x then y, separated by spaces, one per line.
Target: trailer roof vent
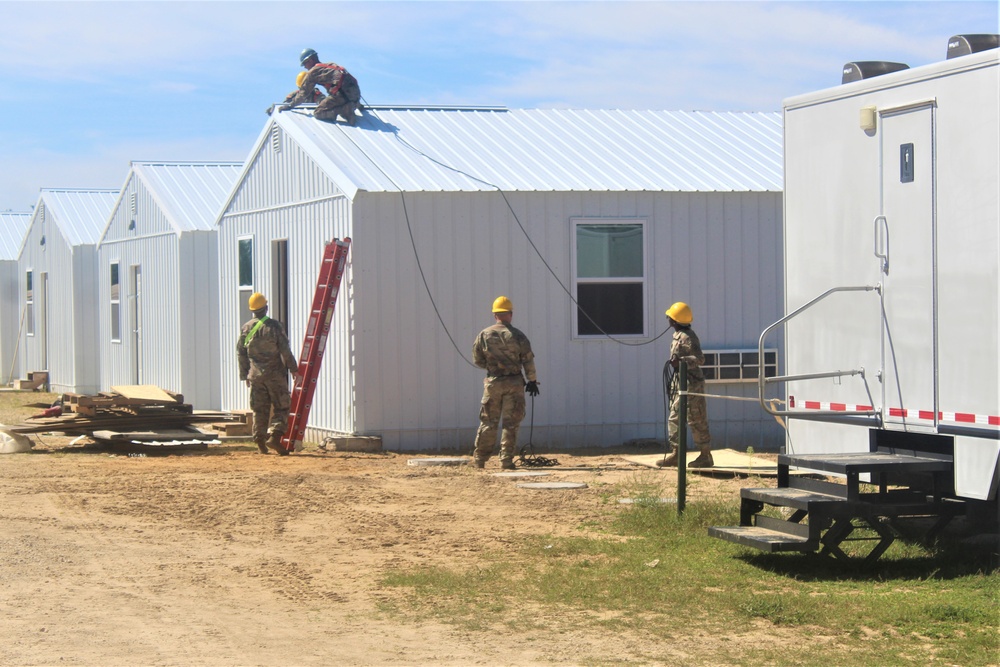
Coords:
pixel 866 69
pixel 963 45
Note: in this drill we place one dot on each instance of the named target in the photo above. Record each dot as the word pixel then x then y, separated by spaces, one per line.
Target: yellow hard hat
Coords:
pixel 502 305
pixel 299 78
pixel 680 312
pixel 257 301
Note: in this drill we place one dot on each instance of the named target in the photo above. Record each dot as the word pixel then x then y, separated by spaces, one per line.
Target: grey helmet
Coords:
pixel 306 55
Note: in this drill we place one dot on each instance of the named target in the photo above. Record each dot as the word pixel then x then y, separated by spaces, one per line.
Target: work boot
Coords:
pixel 668 462
pixel 704 459
pixel 262 447
pixel 274 442
pixel 477 463
pixel 507 464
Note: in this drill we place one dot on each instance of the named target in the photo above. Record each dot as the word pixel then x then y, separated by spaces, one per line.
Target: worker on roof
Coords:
pixel 503 351
pixel 342 92
pixel 265 358
pixel 687 348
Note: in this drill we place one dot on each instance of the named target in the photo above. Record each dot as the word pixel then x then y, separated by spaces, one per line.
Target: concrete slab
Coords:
pixel 727 461
pixel 440 461
pixel 522 473
pixel 552 485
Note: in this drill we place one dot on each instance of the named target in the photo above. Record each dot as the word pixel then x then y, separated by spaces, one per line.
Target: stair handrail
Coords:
pixel 763 381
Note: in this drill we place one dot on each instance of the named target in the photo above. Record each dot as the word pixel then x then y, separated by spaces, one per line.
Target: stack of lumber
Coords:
pixel 128 413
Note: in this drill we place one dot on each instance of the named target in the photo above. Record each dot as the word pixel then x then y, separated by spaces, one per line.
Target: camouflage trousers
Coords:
pixel 503 401
pixel 697 416
pixel 342 103
pixel 270 403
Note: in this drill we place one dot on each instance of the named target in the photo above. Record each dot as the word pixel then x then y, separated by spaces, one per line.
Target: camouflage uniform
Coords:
pixel 266 361
pixel 343 93
pixel 502 350
pixel 687 348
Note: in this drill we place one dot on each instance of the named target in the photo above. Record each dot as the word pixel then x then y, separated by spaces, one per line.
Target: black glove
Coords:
pixel 675 361
pixel 531 388
pixel 269 110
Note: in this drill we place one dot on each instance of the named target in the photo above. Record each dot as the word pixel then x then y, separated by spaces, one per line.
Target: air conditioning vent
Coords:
pixel 963 45
pixel 866 69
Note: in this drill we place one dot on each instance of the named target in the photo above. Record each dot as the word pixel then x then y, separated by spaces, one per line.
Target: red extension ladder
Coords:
pixel 314 344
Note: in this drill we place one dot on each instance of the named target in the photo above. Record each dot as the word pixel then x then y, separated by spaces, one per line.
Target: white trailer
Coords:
pixel 892 249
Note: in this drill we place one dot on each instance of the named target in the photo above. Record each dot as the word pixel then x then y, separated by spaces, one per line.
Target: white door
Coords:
pixel 905 234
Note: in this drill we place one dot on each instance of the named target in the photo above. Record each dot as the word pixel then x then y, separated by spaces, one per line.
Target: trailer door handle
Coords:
pixel 882 241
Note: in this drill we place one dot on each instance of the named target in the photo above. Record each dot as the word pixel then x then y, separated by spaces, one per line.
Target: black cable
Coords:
pixel 668 386
pixel 413 244
pixel 530 460
pixel 519 224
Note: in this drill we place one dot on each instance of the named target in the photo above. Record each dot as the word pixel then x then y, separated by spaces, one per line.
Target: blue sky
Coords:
pixel 85 87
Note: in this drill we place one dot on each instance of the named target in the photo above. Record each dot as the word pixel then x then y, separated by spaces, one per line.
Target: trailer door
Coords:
pixel 904 242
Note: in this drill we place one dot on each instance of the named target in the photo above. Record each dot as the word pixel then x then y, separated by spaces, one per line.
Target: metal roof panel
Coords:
pixel 80 214
pixel 468 149
pixel 189 193
pixel 13 227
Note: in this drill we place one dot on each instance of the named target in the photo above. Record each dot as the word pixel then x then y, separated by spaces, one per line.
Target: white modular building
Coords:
pixel 158 279
pixel 57 263
pixel 13 227
pixel 592 221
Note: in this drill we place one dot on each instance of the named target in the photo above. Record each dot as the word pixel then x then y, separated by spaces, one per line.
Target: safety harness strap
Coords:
pixel 253 332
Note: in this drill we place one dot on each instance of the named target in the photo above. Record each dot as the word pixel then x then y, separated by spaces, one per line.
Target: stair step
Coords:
pixel 799 499
pixel 764 539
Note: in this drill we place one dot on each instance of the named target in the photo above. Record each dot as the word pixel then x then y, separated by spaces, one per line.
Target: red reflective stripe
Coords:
pixel 925 414
pixel 965 417
pixel 995 421
pixel 841 407
pixel 812 405
pixel 897 412
pixel 866 407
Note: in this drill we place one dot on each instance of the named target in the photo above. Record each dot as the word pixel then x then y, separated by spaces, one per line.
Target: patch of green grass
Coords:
pixel 654 573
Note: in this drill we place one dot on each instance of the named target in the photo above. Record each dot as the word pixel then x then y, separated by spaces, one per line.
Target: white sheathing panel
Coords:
pixel 64 268
pixel 176 253
pixel 10 319
pixel 284 195
pixel 416 391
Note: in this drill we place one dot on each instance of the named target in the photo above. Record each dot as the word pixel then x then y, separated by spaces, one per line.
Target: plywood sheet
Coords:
pixel 147 392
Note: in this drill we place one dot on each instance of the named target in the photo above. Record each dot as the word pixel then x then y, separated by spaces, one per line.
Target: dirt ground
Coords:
pixel 228 557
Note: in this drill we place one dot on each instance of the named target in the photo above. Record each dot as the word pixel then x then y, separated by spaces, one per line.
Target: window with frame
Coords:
pixel 29 305
pixel 244 268
pixel 610 277
pixel 116 304
pixel 738 365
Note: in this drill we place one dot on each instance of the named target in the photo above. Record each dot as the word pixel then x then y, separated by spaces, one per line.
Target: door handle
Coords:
pixel 881 235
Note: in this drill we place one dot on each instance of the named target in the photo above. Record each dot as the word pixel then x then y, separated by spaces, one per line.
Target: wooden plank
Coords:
pixel 148 392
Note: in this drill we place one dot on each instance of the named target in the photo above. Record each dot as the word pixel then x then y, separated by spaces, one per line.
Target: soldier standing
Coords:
pixel 265 360
pixel 342 91
pixel 686 347
pixel 502 350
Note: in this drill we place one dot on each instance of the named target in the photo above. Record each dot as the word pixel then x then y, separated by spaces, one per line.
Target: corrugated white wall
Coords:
pixel 70 311
pixel 178 302
pixel 285 196
pixel 720 252
pixel 10 319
